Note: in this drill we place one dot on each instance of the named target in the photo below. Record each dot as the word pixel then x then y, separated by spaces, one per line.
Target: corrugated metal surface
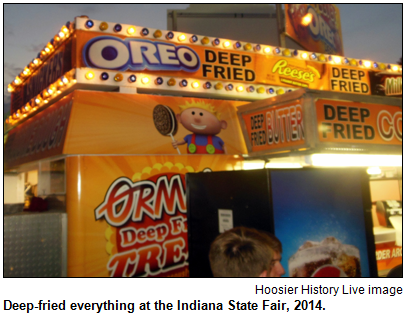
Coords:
pixel 35 245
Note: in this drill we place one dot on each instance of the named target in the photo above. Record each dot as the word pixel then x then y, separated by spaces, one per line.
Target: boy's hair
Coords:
pixel 276 244
pixel 241 252
pixel 201 105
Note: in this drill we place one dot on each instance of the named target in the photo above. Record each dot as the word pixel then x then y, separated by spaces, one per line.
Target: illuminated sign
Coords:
pixel 134 54
pixel 348 79
pixel 308 121
pixel 274 127
pixel 316 27
pixel 352 122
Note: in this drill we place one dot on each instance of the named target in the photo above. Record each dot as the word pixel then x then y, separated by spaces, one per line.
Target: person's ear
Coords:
pixel 223 124
pixel 264 274
pixel 178 117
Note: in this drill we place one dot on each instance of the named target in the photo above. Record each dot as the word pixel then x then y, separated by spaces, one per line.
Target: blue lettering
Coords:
pixel 108 52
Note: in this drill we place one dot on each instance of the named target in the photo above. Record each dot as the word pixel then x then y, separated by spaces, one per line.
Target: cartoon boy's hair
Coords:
pixel 201 105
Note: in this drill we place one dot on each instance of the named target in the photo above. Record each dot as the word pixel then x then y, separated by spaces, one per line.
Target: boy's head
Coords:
pixel 241 252
pixel 200 118
pixel 277 269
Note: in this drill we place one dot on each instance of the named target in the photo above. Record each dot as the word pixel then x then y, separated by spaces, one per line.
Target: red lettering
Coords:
pixel 125 200
pixel 174 252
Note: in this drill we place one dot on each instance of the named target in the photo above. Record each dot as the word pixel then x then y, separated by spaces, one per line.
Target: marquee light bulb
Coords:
pixel 145 80
pixel 305 55
pixel 395 68
pixel 131 30
pixel 267 50
pixel 195 84
pixel 227 44
pixel 89 75
pixel 337 60
pixel 103 26
pixel 182 37
pixel 240 88
pixel 367 64
pixel 307 19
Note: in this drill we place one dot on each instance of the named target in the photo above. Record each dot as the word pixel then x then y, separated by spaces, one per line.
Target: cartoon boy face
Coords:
pixel 201 121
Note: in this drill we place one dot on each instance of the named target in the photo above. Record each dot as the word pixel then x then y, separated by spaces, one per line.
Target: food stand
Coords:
pixel 94 117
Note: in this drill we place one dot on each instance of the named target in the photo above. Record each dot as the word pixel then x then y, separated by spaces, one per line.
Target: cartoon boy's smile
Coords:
pixel 198 127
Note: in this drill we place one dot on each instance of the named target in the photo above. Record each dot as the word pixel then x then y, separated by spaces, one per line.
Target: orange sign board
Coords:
pixel 354 122
pixel 117 123
pixel 113 52
pixel 388 255
pixel 275 127
pixel 317 27
pixel 349 80
pixel 127 214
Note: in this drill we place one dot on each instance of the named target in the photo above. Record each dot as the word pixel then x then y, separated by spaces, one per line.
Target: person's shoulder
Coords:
pixel 217 139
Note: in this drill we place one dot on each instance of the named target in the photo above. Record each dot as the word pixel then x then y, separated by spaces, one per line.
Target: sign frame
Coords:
pixel 312 144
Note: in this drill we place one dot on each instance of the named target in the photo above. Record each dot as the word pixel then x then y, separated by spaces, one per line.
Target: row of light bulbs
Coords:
pixel 183 83
pixel 43 98
pixel 130 30
pixel 68 80
pixel 47 51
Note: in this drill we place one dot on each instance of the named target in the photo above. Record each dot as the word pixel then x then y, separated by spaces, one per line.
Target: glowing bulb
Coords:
pixel 10 88
pixel 145 80
pixel 47 49
pixel 89 75
pixel 367 64
pixel 337 60
pixel 240 88
pixel 267 49
pixel 131 30
pixel 182 37
pixel 307 19
pixel 37 100
pixel 305 55
pixel 195 84
pixel 65 80
pixel 65 29
pixel 227 44
pixel 61 34
pixel 395 68
pixel 36 61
